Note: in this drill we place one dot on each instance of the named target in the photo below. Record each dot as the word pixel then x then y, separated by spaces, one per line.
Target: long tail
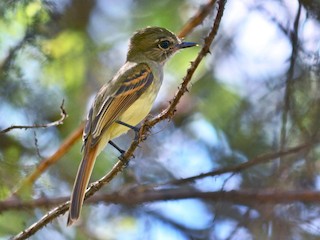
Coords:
pixel 81 182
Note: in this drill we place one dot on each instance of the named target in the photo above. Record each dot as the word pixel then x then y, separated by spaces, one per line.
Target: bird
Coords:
pixel 124 101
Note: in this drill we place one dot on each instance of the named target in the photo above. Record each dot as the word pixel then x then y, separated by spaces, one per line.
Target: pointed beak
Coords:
pixel 187 45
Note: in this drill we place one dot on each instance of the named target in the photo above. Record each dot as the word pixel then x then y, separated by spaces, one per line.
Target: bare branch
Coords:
pixel 289 80
pixel 63 114
pixel 288 92
pixel 264 158
pixel 42 222
pixel 6 63
pixel 140 195
pixel 197 19
pixel 36 144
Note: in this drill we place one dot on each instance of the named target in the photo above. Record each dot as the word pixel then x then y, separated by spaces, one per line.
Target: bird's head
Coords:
pixel 156 44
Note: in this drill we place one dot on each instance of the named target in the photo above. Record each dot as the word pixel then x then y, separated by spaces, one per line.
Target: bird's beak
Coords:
pixel 187 44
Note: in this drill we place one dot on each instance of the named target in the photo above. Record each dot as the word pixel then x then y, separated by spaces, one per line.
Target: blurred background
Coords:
pixel 257 92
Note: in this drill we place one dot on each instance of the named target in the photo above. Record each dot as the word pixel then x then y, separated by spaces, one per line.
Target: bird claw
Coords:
pixel 122 159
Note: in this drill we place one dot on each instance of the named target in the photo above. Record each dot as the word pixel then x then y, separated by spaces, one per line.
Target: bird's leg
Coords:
pixel 117 147
pixel 120 150
pixel 135 129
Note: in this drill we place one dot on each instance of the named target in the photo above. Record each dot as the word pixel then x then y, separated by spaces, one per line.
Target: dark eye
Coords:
pixel 164 44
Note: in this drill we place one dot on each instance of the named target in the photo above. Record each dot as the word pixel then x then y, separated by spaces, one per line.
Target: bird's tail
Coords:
pixel 81 182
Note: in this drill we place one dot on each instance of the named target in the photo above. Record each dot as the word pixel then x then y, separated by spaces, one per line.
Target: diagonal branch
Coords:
pixel 197 19
pixel 261 159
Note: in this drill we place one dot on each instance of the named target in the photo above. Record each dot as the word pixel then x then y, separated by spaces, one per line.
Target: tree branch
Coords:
pixel 264 158
pixel 63 114
pixel 289 81
pixel 288 92
pixel 6 63
pixel 140 195
pixel 197 19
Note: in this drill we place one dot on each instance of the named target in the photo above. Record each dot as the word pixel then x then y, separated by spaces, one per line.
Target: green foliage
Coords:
pixel 68 62
pixel 6 220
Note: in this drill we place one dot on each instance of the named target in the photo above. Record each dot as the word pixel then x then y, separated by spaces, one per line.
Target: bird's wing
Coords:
pixel 115 98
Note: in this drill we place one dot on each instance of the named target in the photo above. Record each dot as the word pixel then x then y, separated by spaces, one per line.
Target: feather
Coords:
pixel 135 82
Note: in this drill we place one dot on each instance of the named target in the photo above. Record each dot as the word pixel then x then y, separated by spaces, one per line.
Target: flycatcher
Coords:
pixel 124 101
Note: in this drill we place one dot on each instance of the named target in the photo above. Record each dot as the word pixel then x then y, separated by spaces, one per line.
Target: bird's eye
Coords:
pixel 165 44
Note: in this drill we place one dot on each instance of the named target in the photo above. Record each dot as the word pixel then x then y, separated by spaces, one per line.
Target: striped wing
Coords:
pixel 110 105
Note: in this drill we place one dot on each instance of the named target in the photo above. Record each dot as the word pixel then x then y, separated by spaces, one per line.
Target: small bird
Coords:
pixel 124 101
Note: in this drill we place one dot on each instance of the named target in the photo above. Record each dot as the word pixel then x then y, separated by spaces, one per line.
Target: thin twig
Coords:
pixel 289 80
pixel 288 92
pixel 197 19
pixel 7 62
pixel 36 145
pixel 264 158
pixel 187 231
pixel 63 114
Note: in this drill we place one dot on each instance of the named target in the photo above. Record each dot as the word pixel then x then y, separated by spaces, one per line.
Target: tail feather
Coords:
pixel 81 183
